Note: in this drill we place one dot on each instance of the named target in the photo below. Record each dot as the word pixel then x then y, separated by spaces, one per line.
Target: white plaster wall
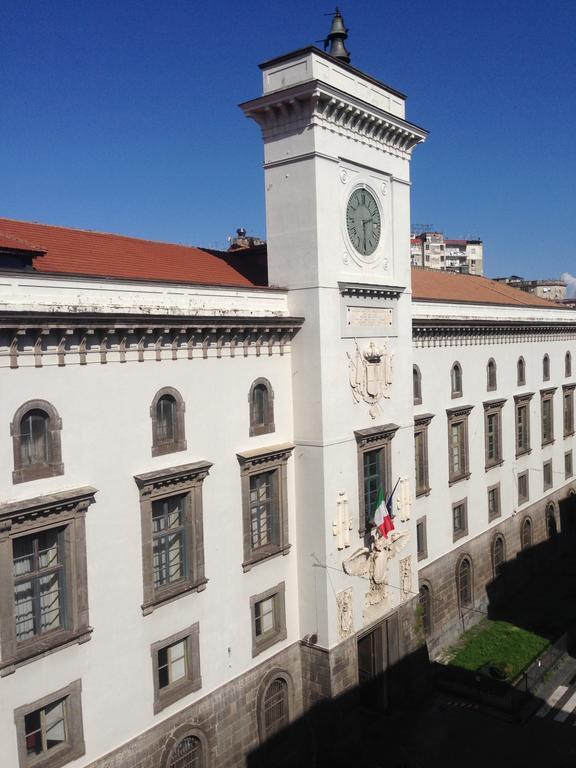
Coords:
pixel 106 440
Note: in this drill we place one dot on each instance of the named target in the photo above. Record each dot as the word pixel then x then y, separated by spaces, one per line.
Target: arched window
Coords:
pixel 417 384
pixel 275 714
pixel 187 753
pixel 35 431
pixel 491 375
pixel 498 556
pixel 425 599
pixel 551 527
pixel 261 400
pixel 456 380
pixel 526 533
pixel 567 364
pixel 520 372
pixel 167 413
pixel 464 582
pixel 545 368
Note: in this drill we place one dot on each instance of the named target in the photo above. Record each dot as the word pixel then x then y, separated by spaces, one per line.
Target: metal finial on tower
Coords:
pixel 336 37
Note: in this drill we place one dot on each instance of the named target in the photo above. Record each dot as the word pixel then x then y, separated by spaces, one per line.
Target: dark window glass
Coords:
pixel 45 728
pixel 166 419
pixel 425 606
pixel 172 665
pixel 498 556
pixel 34 438
pixel 545 367
pixel 568 364
pixel 417 385
pixel 456 379
pixel 465 582
pixel 521 371
pixel 526 534
pixel 264 616
pixel 276 713
pixel 169 540
pixel 372 481
pixel 264 521
pixel 551 527
pixel 260 396
pixel 491 375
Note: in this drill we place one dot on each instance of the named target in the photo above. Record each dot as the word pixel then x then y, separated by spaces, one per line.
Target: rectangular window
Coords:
pixel 568 402
pixel 421 543
pixel 374 469
pixel 176 667
pixel 547 474
pixel 172 532
pixel 493 432
pixel 523 488
pixel 459 519
pixel 494 502
pixel 421 453
pixel 568 471
pixel 264 504
pixel 458 444
pixel 547 415
pixel 268 615
pixel 43 597
pixel 49 731
pixel 522 414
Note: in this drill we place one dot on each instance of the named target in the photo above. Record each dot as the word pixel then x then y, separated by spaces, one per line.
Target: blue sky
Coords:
pixel 122 116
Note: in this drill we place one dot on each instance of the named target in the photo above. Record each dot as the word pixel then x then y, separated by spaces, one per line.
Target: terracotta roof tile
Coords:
pixel 434 285
pixel 16 244
pixel 99 254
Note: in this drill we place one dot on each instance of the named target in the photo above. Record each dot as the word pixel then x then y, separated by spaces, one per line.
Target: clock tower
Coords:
pixel 337 155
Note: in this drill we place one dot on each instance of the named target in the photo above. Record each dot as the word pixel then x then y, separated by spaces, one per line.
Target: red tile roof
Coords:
pixel 9 242
pixel 434 285
pixel 100 254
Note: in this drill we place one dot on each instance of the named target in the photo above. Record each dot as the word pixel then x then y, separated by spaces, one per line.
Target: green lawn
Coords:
pixel 500 643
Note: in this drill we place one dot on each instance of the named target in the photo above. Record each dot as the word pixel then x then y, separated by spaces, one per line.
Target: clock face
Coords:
pixel 363 221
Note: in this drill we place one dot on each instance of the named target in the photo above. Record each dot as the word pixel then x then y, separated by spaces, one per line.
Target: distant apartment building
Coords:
pixel 431 249
pixel 555 290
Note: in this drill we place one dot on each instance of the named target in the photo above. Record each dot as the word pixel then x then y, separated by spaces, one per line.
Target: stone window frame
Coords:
pixel 546 368
pixel 547 467
pixel 373 439
pixel 427 626
pixel 568 465
pixel 73 748
pixel 178 735
pixel 497 566
pixel 257 462
pixel 494 515
pixel 179 442
pixel 163 697
pixel 526 525
pixel 268 425
pixel 491 375
pixel 274 674
pixel 493 408
pixel 521 372
pixel 421 553
pixel 521 401
pixel 23 473
pixel 158 485
pixel 524 498
pixel 568 364
pixel 468 604
pixel 547 396
pixel 568 409
pixel 416 385
pixel 65 510
pixel 459 416
pixel 463 530
pixel 456 386
pixel 421 424
pixel 280 633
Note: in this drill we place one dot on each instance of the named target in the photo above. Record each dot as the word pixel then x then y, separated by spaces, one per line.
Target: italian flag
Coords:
pixel 381 517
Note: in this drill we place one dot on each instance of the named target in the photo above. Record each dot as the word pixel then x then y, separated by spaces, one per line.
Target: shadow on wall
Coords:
pixel 408 718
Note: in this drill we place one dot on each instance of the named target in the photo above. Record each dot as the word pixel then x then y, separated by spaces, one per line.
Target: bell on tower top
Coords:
pixel 336 37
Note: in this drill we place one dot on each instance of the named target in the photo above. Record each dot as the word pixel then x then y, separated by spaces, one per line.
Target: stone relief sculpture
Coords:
pixel 342 526
pixel 345 613
pixel 374 562
pixel 405 578
pixel 404 500
pixel 370 374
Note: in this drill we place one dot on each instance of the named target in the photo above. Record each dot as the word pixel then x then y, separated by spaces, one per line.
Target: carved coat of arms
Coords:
pixel 370 373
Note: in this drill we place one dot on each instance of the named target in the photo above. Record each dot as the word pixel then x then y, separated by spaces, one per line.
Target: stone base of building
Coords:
pixel 230 722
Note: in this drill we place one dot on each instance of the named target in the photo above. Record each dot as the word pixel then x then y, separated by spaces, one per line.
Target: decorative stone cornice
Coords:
pixel 461 410
pixel 374 435
pixel 548 390
pixel 315 103
pixel 423 419
pixel 454 333
pixel 65 504
pixel 34 340
pixel 266 456
pixel 524 397
pixel 568 387
pixel 174 478
pixel 363 291
pixel 494 404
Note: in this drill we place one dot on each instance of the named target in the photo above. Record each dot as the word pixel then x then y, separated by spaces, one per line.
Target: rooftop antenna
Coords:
pixel 336 37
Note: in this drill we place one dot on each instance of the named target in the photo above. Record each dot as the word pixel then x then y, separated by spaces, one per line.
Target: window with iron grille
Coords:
pixel 268 618
pixel 176 667
pixel 459 519
pixel 187 753
pixel 168 426
pixel 49 731
pixel 172 532
pixel 264 503
pixel 43 599
pixel 276 713
pixel 35 431
pixel 464 583
pixel 498 556
pixel 527 533
pixel 374 468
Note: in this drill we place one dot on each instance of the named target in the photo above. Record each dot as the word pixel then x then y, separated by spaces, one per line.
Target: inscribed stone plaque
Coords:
pixel 369 317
